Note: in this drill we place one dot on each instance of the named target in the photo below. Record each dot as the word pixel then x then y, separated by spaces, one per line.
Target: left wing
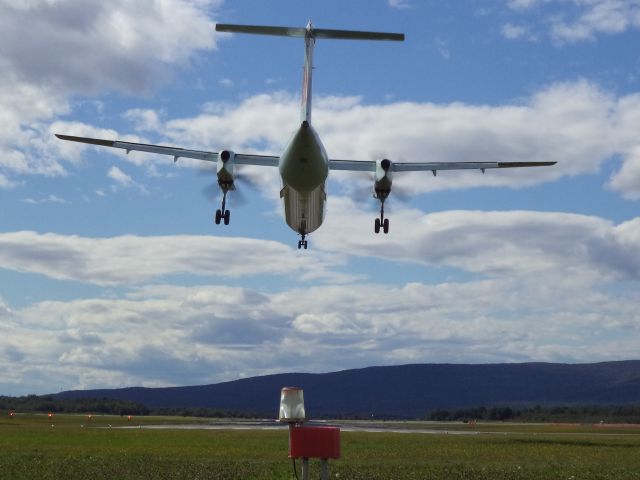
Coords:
pixel 370 166
pixel 176 153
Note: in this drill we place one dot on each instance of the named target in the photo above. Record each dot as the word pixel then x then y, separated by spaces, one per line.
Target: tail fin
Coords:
pixel 310 35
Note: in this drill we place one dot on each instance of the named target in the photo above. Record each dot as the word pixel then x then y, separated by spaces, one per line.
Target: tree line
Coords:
pixel 49 403
pixel 572 413
pixel 538 413
pixel 109 406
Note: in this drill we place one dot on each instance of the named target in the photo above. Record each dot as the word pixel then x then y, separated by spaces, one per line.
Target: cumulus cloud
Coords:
pixel 577 124
pixel 627 179
pixel 494 244
pixel 122 180
pixel 559 272
pixel 169 335
pixel 120 177
pixel 131 259
pixel 143 119
pixel 587 19
pixel 83 47
pixel 87 46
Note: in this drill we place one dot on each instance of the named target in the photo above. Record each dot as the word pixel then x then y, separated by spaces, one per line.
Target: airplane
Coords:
pixel 304 165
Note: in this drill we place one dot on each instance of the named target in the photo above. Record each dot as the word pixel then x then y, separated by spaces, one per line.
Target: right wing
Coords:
pixel 240 158
pixel 370 165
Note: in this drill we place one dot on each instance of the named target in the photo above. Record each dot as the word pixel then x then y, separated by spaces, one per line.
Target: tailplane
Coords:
pixel 315 32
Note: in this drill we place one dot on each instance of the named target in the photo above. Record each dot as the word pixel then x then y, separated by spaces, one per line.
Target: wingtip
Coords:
pixel 92 141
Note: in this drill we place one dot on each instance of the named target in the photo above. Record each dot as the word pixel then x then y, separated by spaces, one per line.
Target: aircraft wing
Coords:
pixel 176 153
pixel 370 166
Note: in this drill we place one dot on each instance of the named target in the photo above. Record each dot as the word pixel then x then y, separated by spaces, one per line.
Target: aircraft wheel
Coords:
pixel 299 244
pixel 377 225
pixel 227 215
pixel 218 216
pixel 305 245
pixel 385 225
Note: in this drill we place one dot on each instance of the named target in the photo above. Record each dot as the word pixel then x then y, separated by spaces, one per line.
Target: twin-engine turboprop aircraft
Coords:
pixel 304 165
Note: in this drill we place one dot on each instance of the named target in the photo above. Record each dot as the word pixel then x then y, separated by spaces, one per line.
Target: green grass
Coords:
pixel 30 448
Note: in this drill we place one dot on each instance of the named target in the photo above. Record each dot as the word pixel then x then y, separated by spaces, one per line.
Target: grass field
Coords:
pixel 30 448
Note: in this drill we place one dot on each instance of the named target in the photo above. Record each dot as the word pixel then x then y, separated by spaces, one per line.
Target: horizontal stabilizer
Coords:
pixel 314 32
pixel 261 30
pixel 356 35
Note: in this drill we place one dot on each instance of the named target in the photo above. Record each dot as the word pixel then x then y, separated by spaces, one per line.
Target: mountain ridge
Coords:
pixel 404 390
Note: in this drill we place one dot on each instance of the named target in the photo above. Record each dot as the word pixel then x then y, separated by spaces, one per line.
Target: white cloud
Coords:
pixel 399 4
pixel 6 183
pixel 495 244
pixel 587 19
pixel 627 179
pixel 22 108
pixel 577 124
pixel 515 32
pixel 130 260
pixel 48 199
pixel 558 272
pixel 120 177
pixel 83 47
pixel 170 335
pixel 144 119
pixel 122 180
pixel 525 4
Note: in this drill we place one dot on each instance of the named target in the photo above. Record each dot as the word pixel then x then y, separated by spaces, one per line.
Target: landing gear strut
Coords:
pixel 302 243
pixel 222 213
pixel 381 222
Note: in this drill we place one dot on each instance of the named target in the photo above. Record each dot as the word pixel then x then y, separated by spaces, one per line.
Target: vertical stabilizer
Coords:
pixel 307 75
pixel 309 34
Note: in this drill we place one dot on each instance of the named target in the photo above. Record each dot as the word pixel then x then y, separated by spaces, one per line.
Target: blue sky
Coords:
pixel 113 273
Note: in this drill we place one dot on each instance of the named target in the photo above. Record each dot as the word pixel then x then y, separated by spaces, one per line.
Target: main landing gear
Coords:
pixel 381 222
pixel 222 213
pixel 302 243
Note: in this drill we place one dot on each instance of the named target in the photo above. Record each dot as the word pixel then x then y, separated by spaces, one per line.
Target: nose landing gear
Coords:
pixel 223 213
pixel 381 222
pixel 302 243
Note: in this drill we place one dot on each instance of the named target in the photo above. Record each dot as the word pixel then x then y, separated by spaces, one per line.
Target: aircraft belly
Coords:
pixel 304 212
pixel 304 165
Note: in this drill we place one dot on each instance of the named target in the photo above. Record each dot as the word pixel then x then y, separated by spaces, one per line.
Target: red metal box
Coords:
pixel 314 442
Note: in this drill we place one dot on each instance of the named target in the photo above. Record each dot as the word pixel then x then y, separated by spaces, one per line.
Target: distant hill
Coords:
pixel 405 390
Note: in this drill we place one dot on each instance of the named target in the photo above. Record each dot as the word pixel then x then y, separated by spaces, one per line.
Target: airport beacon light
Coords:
pixel 307 441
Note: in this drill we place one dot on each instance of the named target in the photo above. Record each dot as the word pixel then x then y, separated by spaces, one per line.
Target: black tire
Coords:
pixel 305 244
pixel 299 245
pixel 377 225
pixel 227 216
pixel 218 216
pixel 385 225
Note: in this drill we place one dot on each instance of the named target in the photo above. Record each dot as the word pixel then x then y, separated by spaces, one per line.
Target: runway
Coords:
pixel 271 425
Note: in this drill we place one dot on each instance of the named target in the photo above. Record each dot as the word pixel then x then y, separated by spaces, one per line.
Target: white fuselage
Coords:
pixel 304 167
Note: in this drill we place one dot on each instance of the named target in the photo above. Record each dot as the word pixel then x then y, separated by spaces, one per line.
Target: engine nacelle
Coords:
pixel 225 166
pixel 383 179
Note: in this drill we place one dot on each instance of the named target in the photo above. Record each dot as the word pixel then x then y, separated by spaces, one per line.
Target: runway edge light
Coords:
pixel 307 441
pixel 292 405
